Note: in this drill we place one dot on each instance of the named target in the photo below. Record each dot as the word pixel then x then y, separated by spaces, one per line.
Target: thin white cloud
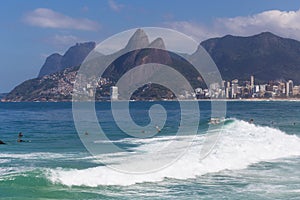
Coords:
pixel 115 6
pixel 60 42
pixel 47 18
pixel 282 23
pixel 64 40
pixel 85 9
pixel 196 31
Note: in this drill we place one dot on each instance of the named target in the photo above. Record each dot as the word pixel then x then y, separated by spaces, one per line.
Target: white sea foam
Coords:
pixel 4 160
pixel 35 155
pixel 9 172
pixel 240 145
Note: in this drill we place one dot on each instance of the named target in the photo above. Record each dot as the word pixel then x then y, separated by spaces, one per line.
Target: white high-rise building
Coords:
pixel 256 88
pixel 289 88
pixel 252 82
pixel 227 90
pixel 114 93
pixel 234 88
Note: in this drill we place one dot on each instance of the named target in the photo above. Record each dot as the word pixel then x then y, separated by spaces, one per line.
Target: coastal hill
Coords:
pixel 266 56
pixel 74 56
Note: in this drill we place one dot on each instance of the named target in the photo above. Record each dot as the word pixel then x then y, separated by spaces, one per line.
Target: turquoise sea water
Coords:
pixel 250 161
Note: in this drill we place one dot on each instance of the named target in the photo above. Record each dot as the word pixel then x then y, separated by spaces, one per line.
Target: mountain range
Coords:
pixel 74 56
pixel 266 56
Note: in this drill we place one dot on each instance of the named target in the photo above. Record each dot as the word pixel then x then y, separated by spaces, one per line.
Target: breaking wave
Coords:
pixel 241 144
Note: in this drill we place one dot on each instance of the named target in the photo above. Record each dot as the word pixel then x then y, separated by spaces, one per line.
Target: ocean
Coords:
pixel 258 160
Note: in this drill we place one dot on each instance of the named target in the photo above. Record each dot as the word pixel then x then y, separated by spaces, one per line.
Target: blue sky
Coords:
pixel 31 30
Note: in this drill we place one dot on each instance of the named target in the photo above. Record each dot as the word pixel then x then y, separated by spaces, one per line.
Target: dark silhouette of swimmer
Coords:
pixel 86 133
pixel 20 137
pixel 251 121
pixel 1 142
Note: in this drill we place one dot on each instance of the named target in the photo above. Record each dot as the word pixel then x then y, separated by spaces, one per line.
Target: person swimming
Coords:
pixel 20 137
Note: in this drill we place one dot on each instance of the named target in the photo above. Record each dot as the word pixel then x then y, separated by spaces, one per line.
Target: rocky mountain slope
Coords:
pixel 74 56
pixel 266 56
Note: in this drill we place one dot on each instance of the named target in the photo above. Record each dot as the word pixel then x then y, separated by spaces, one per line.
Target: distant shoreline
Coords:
pixel 258 99
pixel 229 100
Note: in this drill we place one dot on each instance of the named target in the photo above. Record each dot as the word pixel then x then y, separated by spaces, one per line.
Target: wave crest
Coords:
pixel 241 144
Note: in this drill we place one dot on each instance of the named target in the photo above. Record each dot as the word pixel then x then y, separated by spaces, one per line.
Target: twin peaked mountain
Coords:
pixel 76 54
pixel 266 56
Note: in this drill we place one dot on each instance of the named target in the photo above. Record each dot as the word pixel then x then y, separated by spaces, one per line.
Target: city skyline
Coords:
pixel 248 89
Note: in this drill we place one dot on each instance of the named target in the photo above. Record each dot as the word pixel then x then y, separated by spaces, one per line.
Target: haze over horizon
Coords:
pixel 33 30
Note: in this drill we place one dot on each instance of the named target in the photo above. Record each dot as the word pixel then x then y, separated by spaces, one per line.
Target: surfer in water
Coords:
pixel 1 142
pixel 158 129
